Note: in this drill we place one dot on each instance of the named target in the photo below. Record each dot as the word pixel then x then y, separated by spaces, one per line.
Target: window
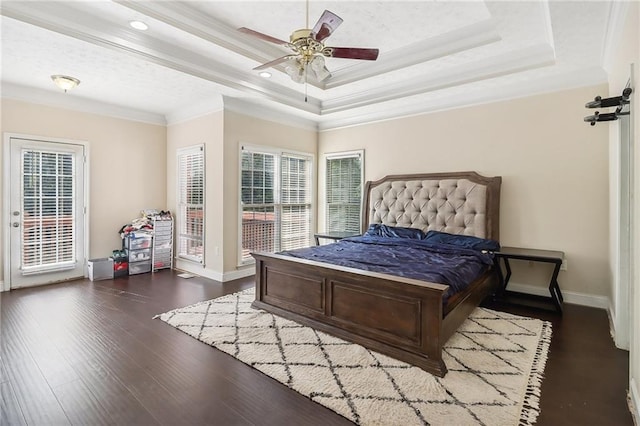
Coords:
pixel 276 201
pixel 344 191
pixel 190 218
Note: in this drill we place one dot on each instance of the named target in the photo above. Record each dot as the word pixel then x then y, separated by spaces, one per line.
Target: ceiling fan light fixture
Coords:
pixel 309 51
pixel 319 69
pixel 65 82
pixel 295 70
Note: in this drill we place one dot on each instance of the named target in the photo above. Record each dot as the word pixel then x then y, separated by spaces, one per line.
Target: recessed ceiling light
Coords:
pixel 139 25
pixel 265 74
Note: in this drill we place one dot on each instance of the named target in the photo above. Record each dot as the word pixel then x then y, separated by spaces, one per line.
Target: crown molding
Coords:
pixel 507 63
pixel 63 19
pixel 73 19
pixel 548 27
pixel 476 97
pixel 208 106
pixel 256 110
pixel 473 97
pixel 458 40
pixel 76 103
pixel 615 25
pixel 192 21
pixel 207 27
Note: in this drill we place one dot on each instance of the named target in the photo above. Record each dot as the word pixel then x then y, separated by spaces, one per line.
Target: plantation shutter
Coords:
pixel 191 190
pixel 258 203
pixel 295 228
pixel 276 198
pixel 48 182
pixel 344 191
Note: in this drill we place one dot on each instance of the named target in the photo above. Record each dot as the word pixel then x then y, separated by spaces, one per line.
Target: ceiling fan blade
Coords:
pixel 354 53
pixel 326 25
pixel 274 62
pixel 263 36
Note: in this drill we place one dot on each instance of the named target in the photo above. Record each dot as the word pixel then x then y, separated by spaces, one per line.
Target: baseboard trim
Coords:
pixel 239 273
pixel 215 275
pixel 611 314
pixel 634 401
pixel 575 298
pixel 2 287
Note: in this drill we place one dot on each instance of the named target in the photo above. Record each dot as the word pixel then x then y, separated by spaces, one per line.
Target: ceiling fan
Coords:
pixel 309 50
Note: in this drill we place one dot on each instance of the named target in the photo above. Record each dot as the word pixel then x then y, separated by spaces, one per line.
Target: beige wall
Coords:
pixel 126 160
pixel 206 130
pixel 222 133
pixel 241 129
pixel 554 168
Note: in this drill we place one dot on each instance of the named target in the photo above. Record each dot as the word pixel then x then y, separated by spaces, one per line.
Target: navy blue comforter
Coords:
pixel 410 258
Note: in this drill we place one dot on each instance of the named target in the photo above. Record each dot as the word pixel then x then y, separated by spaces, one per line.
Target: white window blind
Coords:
pixel 190 216
pixel 276 201
pixel 344 191
pixel 48 206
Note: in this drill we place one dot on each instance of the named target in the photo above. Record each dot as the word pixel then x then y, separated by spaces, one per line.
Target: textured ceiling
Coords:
pixel 433 55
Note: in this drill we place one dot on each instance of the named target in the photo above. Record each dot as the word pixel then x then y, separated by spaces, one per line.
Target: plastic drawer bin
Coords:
pixel 162 264
pixel 137 241
pixel 139 267
pixel 100 269
pixel 138 255
pixel 161 239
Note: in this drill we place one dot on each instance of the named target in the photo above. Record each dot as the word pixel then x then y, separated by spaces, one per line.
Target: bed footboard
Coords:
pixel 399 317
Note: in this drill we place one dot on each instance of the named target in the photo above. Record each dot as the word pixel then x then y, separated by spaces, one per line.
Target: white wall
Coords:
pixel 554 168
pixel 634 356
pixel 624 53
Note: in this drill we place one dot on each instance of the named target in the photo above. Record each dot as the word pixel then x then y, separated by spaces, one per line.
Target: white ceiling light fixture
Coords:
pixel 139 25
pixel 65 82
pixel 264 74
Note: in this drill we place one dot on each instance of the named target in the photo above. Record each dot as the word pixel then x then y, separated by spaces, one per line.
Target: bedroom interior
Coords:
pixel 474 91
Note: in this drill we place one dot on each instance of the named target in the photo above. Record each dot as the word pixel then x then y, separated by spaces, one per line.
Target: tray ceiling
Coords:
pixel 192 59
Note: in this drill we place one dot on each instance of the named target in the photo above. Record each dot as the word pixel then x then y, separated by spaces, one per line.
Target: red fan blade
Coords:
pixel 354 53
pixel 326 25
pixel 274 62
pixel 262 36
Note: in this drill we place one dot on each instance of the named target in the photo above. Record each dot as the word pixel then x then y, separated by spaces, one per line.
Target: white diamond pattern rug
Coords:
pixel 495 361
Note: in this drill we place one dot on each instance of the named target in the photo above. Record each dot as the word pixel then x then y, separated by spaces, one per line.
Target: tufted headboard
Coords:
pixel 458 203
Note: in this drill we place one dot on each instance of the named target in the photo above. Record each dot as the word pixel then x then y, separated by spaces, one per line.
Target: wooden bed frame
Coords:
pixel 399 317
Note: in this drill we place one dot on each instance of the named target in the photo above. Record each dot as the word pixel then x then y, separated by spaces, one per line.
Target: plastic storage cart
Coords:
pixel 162 253
pixel 138 247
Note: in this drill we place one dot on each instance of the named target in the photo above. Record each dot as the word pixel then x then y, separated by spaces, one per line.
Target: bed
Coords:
pixel 405 318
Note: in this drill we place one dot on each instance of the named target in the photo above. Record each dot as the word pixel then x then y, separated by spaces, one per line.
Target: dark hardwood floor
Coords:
pixel 90 353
